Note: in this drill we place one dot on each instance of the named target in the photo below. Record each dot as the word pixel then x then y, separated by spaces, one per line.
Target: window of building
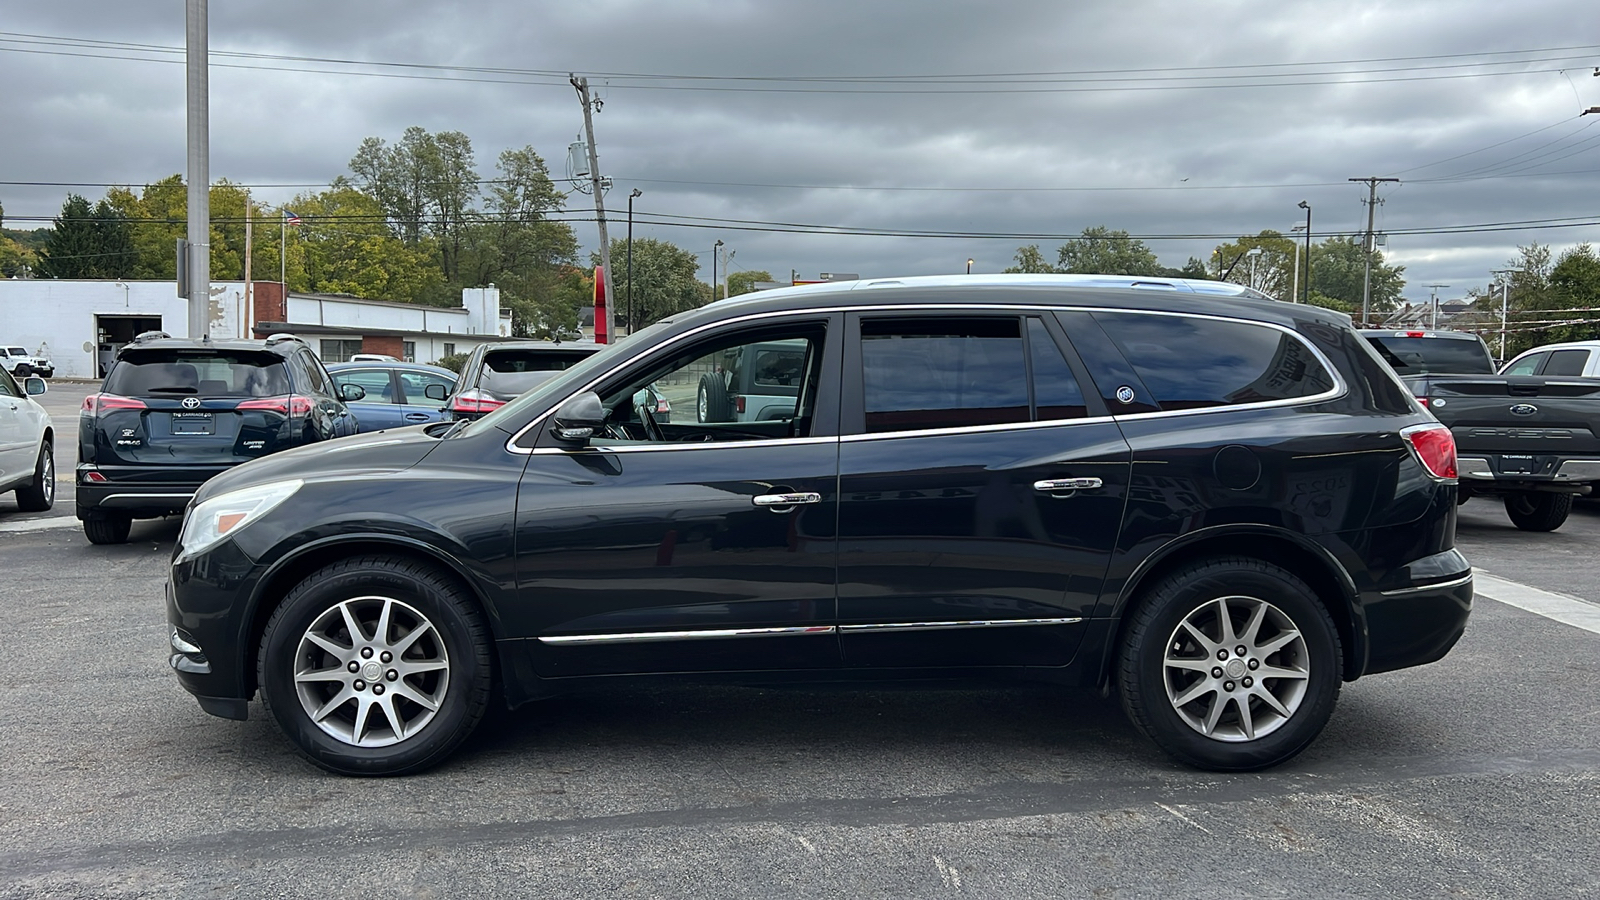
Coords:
pixel 408 351
pixel 1190 362
pixel 449 349
pixel 338 351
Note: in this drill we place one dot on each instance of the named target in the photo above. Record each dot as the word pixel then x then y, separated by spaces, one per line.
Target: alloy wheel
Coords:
pixel 371 671
pixel 1236 668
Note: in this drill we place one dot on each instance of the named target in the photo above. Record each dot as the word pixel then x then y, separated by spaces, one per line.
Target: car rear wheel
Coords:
pixel 1230 664
pixel 107 528
pixel 1532 511
pixel 376 666
pixel 41 495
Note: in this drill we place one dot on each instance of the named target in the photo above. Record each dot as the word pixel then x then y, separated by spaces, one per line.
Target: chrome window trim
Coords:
pixel 1339 388
pixel 975 429
pixel 640 637
pixel 1438 585
pixel 695 445
pixel 939 626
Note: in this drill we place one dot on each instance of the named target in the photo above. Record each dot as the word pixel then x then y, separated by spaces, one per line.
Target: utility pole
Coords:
pixel 582 87
pixel 1505 299
pixel 245 323
pixel 716 250
pixel 1434 289
pixel 198 93
pixel 1366 277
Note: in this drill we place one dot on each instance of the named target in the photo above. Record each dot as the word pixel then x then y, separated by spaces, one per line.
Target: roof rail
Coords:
pixel 284 336
pixel 145 336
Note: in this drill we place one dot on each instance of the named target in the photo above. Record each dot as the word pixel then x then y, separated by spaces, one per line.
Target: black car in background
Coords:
pixel 1221 508
pixel 497 373
pixel 175 412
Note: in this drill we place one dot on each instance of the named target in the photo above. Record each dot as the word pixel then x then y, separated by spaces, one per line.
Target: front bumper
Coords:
pixel 208 628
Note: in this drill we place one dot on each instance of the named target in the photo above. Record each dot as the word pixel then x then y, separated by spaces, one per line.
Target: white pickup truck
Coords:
pixel 21 364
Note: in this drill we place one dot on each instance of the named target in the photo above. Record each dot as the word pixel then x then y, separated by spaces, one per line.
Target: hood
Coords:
pixel 378 453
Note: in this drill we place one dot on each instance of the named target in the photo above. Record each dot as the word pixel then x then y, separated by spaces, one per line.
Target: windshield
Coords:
pixel 17 351
pixel 560 383
pixel 1437 356
pixel 208 374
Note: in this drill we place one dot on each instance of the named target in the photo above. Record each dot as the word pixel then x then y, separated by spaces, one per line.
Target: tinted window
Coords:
pixel 1189 362
pixel 1442 356
pixel 942 373
pixel 510 372
pixel 210 374
pixel 1527 365
pixel 374 381
pixel 1056 393
pixel 1567 362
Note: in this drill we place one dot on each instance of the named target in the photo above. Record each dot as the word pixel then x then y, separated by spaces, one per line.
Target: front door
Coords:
pixel 981 491
pixel 686 545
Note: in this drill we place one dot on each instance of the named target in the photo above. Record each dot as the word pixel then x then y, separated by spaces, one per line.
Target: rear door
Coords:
pixel 981 492
pixel 16 445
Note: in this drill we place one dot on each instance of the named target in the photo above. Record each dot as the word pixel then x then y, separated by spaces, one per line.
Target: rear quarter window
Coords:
pixel 1190 362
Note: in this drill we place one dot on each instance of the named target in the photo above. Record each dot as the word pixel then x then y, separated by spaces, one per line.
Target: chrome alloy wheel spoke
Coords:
pixel 371 671
pixel 1236 668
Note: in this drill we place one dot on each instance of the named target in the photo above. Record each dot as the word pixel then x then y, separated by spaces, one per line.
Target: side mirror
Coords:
pixel 579 418
pixel 34 385
pixel 352 391
pixel 436 392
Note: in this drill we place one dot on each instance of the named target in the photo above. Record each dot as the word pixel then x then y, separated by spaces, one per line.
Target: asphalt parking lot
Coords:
pixel 1478 776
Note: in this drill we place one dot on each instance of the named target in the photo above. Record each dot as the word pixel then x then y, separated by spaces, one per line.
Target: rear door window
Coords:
pixel 1057 394
pixel 1193 362
pixel 178 373
pixel 1567 362
pixel 921 373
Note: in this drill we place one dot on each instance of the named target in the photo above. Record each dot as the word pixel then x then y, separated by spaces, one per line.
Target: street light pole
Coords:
pixel 716 249
pixel 1294 285
pixel 969 267
pixel 1434 304
pixel 1307 207
pixel 632 323
pixel 1505 297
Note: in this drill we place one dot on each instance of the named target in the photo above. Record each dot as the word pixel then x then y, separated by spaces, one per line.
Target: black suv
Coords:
pixel 1219 507
pixel 174 412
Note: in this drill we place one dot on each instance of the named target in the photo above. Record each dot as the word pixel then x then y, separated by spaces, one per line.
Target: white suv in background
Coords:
pixel 27 444
pixel 21 364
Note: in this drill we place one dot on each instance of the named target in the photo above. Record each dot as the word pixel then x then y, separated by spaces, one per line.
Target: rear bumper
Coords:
pixel 1528 472
pixel 1418 620
pixel 142 500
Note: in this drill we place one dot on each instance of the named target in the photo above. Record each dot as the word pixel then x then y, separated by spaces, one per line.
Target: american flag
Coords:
pixel 290 218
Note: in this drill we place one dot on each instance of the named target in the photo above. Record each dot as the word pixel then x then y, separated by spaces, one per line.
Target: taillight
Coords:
pixel 283 406
pixel 475 401
pixel 96 403
pixel 738 404
pixel 662 406
pixel 1416 334
pixel 1435 447
pixel 1423 401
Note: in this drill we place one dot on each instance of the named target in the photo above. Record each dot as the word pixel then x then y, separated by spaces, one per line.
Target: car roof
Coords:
pixel 1563 345
pixel 281 347
pixel 1066 291
pixel 1419 333
pixel 589 346
pixel 390 364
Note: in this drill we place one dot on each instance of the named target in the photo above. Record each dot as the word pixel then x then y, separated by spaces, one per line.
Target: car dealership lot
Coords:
pixel 1478 775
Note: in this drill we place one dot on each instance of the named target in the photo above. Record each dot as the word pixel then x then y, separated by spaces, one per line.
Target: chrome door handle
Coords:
pixel 1055 485
pixel 416 417
pixel 780 502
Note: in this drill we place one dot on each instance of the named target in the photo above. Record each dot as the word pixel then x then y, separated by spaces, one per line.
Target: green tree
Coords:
pixel 744 280
pixel 664 279
pixel 1574 290
pixel 343 246
pixel 1270 271
pixel 74 243
pixel 1337 271
pixel 1101 251
pixel 1030 262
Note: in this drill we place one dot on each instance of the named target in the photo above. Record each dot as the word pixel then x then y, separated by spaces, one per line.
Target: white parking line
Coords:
pixel 39 524
pixel 1567 610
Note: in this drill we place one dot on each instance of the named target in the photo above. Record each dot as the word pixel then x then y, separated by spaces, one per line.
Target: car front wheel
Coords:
pixel 376 666
pixel 1230 664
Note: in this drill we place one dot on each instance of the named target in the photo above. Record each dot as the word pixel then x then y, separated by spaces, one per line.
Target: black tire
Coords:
pixel 415 593
pixel 1148 685
pixel 41 495
pixel 47 373
pixel 107 528
pixel 711 400
pixel 1538 511
pixel 23 370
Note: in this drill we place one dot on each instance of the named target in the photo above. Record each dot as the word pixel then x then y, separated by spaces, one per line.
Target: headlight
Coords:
pixel 222 516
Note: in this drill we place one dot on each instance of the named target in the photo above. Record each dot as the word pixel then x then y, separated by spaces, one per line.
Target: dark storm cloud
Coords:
pixel 736 154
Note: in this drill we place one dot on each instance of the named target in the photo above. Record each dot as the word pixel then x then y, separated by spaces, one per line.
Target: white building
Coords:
pixel 80 325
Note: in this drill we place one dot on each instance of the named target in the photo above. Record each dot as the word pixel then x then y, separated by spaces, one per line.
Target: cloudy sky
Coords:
pixel 875 138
